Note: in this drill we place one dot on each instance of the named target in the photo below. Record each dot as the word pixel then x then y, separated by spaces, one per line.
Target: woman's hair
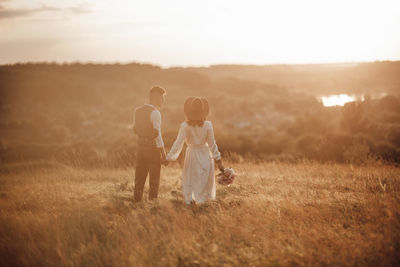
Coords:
pixel 195 122
pixel 197 109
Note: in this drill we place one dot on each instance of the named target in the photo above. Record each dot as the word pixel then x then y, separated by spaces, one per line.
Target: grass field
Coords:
pixel 275 214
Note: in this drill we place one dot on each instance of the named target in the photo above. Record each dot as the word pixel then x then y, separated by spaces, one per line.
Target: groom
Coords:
pixel 151 152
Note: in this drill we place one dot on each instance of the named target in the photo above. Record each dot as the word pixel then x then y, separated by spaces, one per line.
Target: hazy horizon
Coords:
pixel 180 33
pixel 350 63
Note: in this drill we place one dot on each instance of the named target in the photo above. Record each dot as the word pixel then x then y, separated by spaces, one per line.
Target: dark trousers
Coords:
pixel 148 162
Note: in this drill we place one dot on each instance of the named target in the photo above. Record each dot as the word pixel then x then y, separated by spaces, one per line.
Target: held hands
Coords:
pixel 165 162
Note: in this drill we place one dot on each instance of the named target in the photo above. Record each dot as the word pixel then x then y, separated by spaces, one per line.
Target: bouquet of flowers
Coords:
pixel 226 177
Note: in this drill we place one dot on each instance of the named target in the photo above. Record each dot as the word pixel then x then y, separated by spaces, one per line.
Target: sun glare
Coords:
pixel 337 100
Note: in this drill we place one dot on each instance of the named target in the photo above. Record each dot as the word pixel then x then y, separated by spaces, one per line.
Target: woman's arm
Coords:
pixel 214 148
pixel 220 165
pixel 178 144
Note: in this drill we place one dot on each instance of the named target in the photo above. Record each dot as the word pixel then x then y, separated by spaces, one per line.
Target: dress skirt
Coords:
pixel 198 180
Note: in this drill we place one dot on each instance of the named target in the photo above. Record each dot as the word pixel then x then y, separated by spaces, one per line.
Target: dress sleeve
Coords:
pixel 211 143
pixel 178 144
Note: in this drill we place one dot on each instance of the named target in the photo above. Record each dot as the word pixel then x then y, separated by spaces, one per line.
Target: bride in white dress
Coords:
pixel 198 180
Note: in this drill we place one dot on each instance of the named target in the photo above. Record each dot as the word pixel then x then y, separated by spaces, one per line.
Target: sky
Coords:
pixel 199 33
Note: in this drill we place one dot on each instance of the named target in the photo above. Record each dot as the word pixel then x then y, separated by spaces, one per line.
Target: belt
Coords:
pixel 197 145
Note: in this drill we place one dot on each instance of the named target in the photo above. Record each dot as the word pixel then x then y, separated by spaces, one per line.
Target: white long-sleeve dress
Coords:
pixel 198 180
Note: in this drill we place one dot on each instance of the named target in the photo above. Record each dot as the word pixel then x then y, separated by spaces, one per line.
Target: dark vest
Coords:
pixel 144 127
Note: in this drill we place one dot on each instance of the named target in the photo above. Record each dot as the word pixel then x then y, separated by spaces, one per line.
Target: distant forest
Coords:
pixel 81 114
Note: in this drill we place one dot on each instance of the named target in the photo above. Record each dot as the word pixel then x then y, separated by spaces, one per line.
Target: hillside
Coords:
pixel 69 111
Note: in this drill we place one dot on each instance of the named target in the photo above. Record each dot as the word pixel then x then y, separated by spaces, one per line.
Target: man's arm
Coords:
pixel 156 119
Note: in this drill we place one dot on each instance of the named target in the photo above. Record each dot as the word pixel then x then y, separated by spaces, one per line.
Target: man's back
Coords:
pixel 143 125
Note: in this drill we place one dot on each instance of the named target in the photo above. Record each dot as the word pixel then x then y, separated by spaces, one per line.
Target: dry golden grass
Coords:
pixel 274 214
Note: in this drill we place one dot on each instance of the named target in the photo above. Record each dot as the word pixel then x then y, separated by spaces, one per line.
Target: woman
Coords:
pixel 198 181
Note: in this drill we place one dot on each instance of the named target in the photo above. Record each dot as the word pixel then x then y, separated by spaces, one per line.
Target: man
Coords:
pixel 151 152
